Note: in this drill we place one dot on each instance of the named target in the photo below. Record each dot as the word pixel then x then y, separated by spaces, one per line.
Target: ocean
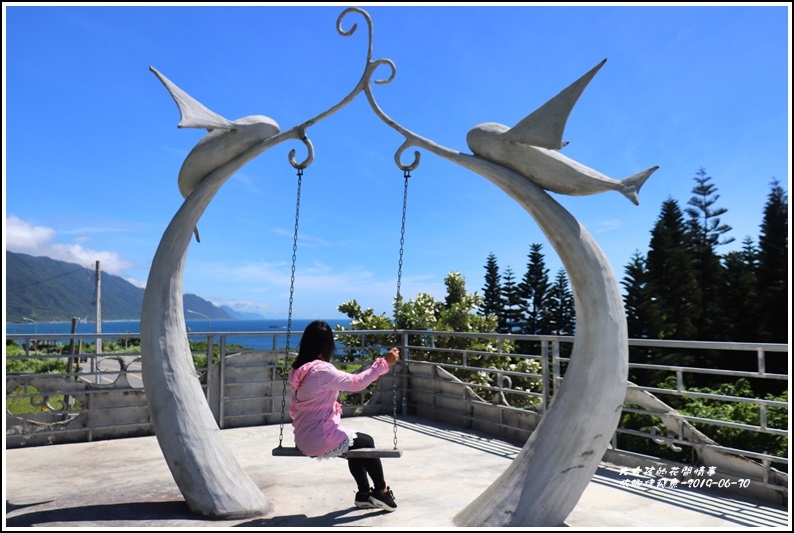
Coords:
pixel 194 326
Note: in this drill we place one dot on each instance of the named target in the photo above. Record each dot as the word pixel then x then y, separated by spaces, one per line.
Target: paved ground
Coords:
pixel 126 483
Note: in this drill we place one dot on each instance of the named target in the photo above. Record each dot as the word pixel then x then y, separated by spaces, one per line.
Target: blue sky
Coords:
pixel 92 150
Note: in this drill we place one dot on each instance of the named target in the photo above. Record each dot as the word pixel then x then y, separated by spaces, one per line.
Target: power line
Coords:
pixel 46 280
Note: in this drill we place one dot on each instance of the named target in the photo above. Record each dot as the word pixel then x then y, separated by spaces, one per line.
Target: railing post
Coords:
pixel 404 374
pixel 222 381
pixel 89 405
pixel 762 416
pixel 555 358
pixel 209 368
pixel 547 379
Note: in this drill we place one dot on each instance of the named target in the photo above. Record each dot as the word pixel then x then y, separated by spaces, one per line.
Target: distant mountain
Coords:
pixel 242 315
pixel 46 290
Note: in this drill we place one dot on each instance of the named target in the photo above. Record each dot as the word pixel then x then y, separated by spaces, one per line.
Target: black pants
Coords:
pixel 361 467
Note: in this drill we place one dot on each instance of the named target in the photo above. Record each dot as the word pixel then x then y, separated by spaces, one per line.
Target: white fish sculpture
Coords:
pixel 530 148
pixel 226 139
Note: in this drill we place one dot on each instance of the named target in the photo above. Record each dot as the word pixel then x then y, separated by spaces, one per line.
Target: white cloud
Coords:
pixel 138 283
pixel 606 226
pixel 22 237
pixel 243 306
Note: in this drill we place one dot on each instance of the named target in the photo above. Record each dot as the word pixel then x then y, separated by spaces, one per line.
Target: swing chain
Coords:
pixel 406 175
pixel 289 312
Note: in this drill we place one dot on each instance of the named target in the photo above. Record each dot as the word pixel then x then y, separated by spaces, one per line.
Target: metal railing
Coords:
pixel 499 384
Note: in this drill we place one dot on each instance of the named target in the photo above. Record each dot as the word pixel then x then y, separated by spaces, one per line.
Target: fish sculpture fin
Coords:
pixel 544 126
pixel 192 113
pixel 630 187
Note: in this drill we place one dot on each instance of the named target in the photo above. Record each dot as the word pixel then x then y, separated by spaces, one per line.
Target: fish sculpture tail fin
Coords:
pixel 630 187
pixel 192 113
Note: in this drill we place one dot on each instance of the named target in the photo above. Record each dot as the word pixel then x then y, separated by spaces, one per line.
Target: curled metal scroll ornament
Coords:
pixel 547 478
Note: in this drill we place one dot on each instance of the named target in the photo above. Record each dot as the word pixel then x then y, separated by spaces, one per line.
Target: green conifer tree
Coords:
pixel 707 232
pixel 492 291
pixel 533 291
pixel 672 282
pixel 773 267
pixel 739 296
pixel 510 321
pixel 560 309
pixel 635 298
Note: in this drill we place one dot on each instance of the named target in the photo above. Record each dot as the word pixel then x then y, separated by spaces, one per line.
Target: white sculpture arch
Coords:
pixel 546 480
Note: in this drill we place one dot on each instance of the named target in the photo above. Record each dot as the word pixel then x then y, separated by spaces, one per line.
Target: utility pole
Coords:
pixel 98 309
pixel 98 351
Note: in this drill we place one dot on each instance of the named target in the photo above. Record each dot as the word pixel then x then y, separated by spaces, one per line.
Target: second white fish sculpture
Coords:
pixel 531 149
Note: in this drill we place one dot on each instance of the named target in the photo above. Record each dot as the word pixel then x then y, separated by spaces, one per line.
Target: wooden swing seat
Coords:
pixel 361 453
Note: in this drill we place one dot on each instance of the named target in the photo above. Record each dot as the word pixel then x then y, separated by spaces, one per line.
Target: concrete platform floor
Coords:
pixel 125 483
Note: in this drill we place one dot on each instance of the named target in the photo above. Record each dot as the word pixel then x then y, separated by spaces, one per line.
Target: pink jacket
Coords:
pixel 316 414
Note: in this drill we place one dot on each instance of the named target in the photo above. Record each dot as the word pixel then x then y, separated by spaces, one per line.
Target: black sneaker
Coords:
pixel 384 500
pixel 362 500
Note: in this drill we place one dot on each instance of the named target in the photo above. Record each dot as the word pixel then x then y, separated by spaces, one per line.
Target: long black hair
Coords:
pixel 317 343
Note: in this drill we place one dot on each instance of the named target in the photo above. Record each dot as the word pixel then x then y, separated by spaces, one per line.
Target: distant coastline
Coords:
pixel 235 330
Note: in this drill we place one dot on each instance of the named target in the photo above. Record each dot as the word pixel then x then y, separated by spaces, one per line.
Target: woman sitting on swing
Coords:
pixel 316 413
